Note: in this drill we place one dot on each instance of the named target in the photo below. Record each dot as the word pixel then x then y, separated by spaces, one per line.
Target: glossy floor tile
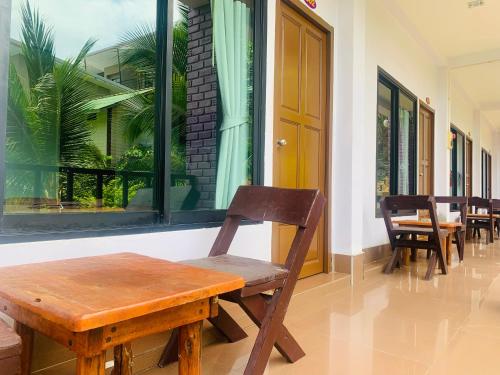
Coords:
pixel 388 324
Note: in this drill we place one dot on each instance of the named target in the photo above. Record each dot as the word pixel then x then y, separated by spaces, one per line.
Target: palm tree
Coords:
pixel 139 55
pixel 47 118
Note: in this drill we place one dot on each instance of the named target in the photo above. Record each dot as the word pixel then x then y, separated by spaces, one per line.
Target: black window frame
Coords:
pixel 396 89
pixel 486 170
pixel 454 165
pixel 19 227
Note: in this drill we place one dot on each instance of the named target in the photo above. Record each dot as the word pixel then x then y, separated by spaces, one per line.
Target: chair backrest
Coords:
pixel 390 204
pixel 479 203
pixel 302 208
pixel 496 204
pixel 461 202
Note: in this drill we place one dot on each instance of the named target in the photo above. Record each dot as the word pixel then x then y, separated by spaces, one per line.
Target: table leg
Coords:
pixel 27 335
pixel 91 365
pixel 448 249
pixel 123 360
pixel 190 349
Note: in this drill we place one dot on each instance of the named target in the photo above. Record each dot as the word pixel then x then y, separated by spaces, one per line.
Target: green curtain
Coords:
pixel 231 21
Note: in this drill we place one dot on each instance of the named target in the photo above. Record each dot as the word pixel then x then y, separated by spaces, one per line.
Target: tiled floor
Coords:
pixel 396 324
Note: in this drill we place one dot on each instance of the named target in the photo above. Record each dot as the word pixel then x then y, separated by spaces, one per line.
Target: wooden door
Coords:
pixel 301 115
pixel 468 167
pixel 426 152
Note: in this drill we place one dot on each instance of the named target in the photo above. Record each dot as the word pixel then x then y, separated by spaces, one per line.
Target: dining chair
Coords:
pixel 300 208
pixel 462 204
pixel 487 222
pixel 10 350
pixel 411 237
pixel 496 211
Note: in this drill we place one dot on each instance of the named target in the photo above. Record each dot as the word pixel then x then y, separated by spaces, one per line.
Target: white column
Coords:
pixel 349 120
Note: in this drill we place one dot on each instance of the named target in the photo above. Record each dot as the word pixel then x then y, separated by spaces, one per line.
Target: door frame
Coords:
pixel 471 172
pixel 314 18
pixel 431 110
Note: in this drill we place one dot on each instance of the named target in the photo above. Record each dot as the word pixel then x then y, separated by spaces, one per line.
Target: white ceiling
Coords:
pixel 466 40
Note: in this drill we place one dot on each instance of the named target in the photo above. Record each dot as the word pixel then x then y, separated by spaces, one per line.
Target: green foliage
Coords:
pixel 139 55
pixel 46 119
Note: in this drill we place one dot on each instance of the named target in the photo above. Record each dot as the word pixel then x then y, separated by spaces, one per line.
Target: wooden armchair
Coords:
pixel 408 237
pixel 487 222
pixel 302 208
pixel 462 203
pixel 10 350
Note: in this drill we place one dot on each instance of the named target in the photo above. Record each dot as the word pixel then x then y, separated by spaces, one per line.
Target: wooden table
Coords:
pixel 450 226
pixel 93 304
pixel 482 217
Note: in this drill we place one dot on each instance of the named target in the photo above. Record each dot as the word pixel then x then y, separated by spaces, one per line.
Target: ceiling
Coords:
pixel 466 40
pixel 451 28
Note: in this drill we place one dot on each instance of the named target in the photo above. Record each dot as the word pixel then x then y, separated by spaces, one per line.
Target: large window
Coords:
pixel 130 112
pixel 485 174
pixel 396 139
pixel 457 163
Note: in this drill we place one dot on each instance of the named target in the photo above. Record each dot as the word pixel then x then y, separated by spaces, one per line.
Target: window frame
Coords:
pixel 396 89
pixel 161 218
pixel 454 161
pixel 486 170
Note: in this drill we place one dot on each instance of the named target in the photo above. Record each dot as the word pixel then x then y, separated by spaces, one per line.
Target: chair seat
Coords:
pixel 253 271
pixel 10 342
pixel 424 231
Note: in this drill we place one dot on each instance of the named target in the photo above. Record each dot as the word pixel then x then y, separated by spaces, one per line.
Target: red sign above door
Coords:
pixel 311 3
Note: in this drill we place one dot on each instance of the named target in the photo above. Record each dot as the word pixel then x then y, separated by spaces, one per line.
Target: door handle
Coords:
pixel 281 142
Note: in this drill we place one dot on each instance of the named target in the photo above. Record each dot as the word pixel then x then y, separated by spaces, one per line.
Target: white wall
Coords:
pixel 392 47
pixel 466 116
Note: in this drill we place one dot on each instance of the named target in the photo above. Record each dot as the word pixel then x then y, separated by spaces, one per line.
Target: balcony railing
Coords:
pixel 70 172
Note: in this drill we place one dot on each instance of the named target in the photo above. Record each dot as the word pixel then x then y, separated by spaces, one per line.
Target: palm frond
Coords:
pixel 37 44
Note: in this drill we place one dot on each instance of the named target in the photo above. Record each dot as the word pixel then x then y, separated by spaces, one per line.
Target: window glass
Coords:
pixel 384 116
pixel 405 134
pixel 212 100
pixel 81 114
pixel 457 175
pixel 396 141
pixel 460 165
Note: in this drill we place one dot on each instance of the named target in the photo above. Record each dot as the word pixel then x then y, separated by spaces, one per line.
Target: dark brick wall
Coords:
pixel 201 106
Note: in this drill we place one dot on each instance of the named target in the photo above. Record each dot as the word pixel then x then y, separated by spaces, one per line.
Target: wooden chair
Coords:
pixel 462 203
pixel 302 208
pixel 408 237
pixel 487 223
pixel 496 211
pixel 10 350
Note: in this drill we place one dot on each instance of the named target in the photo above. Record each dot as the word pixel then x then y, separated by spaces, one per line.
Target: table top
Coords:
pixel 85 293
pixel 420 223
pixel 482 216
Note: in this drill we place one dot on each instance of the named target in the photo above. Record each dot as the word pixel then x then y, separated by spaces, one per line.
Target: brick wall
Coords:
pixel 201 106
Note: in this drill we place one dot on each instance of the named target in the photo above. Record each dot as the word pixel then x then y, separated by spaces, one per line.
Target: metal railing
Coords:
pixel 70 173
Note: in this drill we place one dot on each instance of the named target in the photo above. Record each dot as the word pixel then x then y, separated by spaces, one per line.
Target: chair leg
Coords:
pixel 256 307
pixel 429 251
pixel 432 266
pixel 442 261
pixel 226 325
pixel 460 240
pixel 270 328
pixel 171 352
pixel 396 255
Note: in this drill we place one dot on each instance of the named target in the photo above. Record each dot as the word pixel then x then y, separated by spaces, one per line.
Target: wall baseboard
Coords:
pixel 355 265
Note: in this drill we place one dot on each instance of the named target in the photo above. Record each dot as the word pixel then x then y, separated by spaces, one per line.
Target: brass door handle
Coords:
pixel 281 142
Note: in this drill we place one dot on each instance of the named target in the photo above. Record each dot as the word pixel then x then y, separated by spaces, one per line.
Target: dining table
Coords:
pixel 450 226
pixel 99 303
